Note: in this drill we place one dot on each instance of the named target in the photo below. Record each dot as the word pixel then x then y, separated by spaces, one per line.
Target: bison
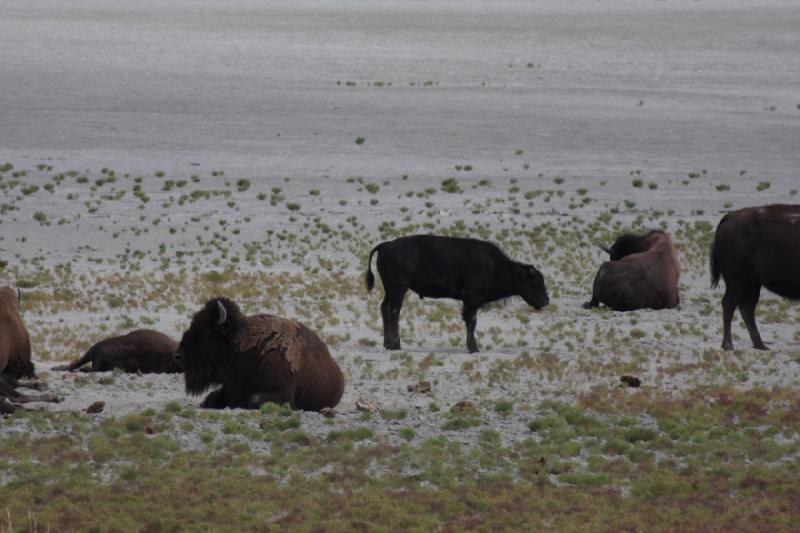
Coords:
pixel 755 247
pixel 15 355
pixel 642 274
pixel 256 359
pixel 473 271
pixel 142 350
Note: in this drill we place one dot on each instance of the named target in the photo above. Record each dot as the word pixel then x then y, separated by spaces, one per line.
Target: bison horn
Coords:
pixel 19 299
pixel 604 248
pixel 223 314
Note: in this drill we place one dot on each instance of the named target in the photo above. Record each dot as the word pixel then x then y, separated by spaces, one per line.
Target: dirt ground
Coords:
pixel 260 149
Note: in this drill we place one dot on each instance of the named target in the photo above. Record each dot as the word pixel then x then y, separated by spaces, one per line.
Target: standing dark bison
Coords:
pixel 755 247
pixel 473 271
pixel 15 355
pixel 642 274
pixel 142 350
pixel 256 359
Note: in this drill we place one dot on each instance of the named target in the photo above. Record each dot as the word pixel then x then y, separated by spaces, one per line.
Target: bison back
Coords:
pixel 759 245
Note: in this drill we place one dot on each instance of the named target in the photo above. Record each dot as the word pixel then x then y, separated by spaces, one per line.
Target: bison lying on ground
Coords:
pixel 256 359
pixel 755 247
pixel 142 350
pixel 475 272
pixel 15 355
pixel 642 274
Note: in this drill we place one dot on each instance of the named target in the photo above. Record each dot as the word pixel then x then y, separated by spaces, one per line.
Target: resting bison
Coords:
pixel 475 272
pixel 15 354
pixel 755 247
pixel 642 274
pixel 256 359
pixel 142 350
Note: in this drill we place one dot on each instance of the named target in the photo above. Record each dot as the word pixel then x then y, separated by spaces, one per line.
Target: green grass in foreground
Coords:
pixel 708 459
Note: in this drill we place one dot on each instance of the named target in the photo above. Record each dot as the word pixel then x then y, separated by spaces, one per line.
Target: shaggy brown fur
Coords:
pixel 15 354
pixel 753 248
pixel 257 359
pixel 142 350
pixel 643 273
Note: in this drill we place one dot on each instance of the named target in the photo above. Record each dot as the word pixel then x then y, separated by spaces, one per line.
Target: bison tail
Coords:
pixel 713 261
pixel 714 269
pixel 369 277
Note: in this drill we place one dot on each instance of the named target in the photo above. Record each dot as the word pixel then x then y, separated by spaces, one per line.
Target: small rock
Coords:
pixel 328 412
pixel 462 406
pixel 422 386
pixel 149 430
pixel 631 381
pixel 364 405
pixel 96 407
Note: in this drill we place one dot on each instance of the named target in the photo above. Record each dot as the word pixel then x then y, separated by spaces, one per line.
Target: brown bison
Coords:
pixel 256 359
pixel 755 247
pixel 642 274
pixel 473 271
pixel 15 355
pixel 142 350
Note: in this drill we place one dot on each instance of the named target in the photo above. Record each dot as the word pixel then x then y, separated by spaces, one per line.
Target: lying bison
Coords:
pixel 642 274
pixel 475 272
pixel 256 359
pixel 142 350
pixel 755 247
pixel 15 355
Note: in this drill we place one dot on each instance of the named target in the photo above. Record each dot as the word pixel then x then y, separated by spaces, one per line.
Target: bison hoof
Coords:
pixel 761 346
pixel 391 345
pixel 473 349
pixel 727 346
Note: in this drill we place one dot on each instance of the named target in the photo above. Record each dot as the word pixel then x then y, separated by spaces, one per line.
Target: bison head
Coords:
pixel 628 244
pixel 530 285
pixel 206 345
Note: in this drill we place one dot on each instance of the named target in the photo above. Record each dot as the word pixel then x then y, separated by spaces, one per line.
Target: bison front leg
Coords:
pixel 215 399
pixel 469 313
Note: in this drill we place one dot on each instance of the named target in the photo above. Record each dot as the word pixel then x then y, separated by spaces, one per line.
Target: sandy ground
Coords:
pixel 522 93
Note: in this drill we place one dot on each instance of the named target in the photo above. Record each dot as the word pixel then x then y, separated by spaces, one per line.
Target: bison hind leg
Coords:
pixel 6 407
pixel 255 401
pixel 390 313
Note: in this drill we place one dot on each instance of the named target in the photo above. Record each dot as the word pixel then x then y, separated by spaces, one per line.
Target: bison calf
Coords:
pixel 15 354
pixel 142 350
pixel 642 274
pixel 473 271
pixel 755 247
pixel 256 359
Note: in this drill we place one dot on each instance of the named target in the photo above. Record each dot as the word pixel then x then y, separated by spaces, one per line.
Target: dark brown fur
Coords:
pixel 642 274
pixel 15 354
pixel 755 247
pixel 141 350
pixel 257 359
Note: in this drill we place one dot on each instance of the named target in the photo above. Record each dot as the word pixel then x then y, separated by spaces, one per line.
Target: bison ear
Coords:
pixel 524 271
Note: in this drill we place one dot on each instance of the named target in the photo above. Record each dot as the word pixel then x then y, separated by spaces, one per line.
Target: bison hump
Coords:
pixel 270 335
